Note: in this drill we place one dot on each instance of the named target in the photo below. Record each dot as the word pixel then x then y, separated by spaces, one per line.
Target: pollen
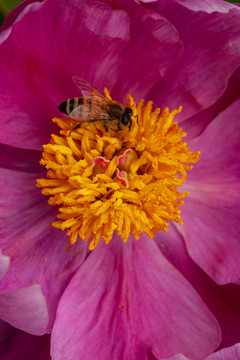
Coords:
pixel 124 181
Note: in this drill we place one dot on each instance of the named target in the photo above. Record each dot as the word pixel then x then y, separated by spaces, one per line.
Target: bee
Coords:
pixel 95 106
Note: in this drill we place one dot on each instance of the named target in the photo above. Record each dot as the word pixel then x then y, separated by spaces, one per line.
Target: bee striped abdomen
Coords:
pixel 69 105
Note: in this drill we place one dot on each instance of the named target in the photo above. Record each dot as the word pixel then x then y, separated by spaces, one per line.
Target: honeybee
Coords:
pixel 95 106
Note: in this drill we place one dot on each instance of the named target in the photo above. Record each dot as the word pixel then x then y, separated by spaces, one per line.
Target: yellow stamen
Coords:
pixel 123 181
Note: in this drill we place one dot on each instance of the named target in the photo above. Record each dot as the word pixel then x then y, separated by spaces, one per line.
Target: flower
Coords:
pixel 177 293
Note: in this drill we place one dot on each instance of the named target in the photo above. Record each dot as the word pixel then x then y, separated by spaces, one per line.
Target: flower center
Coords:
pixel 126 181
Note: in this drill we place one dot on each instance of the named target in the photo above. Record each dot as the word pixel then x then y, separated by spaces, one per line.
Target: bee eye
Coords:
pixel 125 119
pixel 129 111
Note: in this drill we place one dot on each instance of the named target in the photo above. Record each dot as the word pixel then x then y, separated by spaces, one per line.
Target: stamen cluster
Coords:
pixel 117 181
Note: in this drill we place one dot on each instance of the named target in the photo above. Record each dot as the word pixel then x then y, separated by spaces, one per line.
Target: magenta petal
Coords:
pixel 39 253
pixel 223 301
pixel 195 125
pixel 176 357
pixel 4 264
pixel 39 58
pixel 25 309
pixel 211 54
pixel 231 353
pixel 211 214
pixel 16 15
pixel 17 345
pixel 5 330
pixel 126 299
pixel 20 159
pixel 207 6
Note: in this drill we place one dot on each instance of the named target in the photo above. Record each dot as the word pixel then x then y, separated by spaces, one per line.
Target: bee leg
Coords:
pixel 92 120
pixel 119 126
pixel 105 127
pixel 130 124
pixel 116 130
pixel 75 128
pixel 136 116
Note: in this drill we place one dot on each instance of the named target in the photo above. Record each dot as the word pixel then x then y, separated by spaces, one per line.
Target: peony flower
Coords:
pixel 120 294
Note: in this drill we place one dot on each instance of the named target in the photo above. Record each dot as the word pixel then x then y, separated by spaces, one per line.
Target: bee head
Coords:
pixel 126 117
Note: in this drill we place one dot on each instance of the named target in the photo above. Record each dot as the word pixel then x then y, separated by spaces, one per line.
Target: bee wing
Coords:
pixel 88 90
pixel 90 112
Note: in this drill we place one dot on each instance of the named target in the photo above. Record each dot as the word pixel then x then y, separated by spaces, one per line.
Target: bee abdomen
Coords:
pixel 69 105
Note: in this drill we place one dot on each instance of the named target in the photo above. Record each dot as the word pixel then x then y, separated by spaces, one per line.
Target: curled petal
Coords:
pixel 230 353
pixel 208 6
pixel 83 42
pixel 211 55
pixel 138 300
pixel 211 215
pixel 20 307
pixel 4 264
pixel 222 300
pixel 38 253
pixel 16 344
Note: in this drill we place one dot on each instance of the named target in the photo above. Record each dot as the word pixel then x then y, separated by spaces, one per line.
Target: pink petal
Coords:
pixel 150 356
pixel 39 253
pixel 16 15
pixel 211 54
pixel 223 301
pixel 231 353
pixel 101 42
pixel 20 159
pixel 25 309
pixel 208 6
pixel 17 345
pixel 195 125
pixel 5 330
pixel 126 299
pixel 211 214
pixel 4 264
pixel 176 357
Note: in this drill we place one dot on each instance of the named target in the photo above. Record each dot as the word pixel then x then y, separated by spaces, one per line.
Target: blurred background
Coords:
pixel 6 6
